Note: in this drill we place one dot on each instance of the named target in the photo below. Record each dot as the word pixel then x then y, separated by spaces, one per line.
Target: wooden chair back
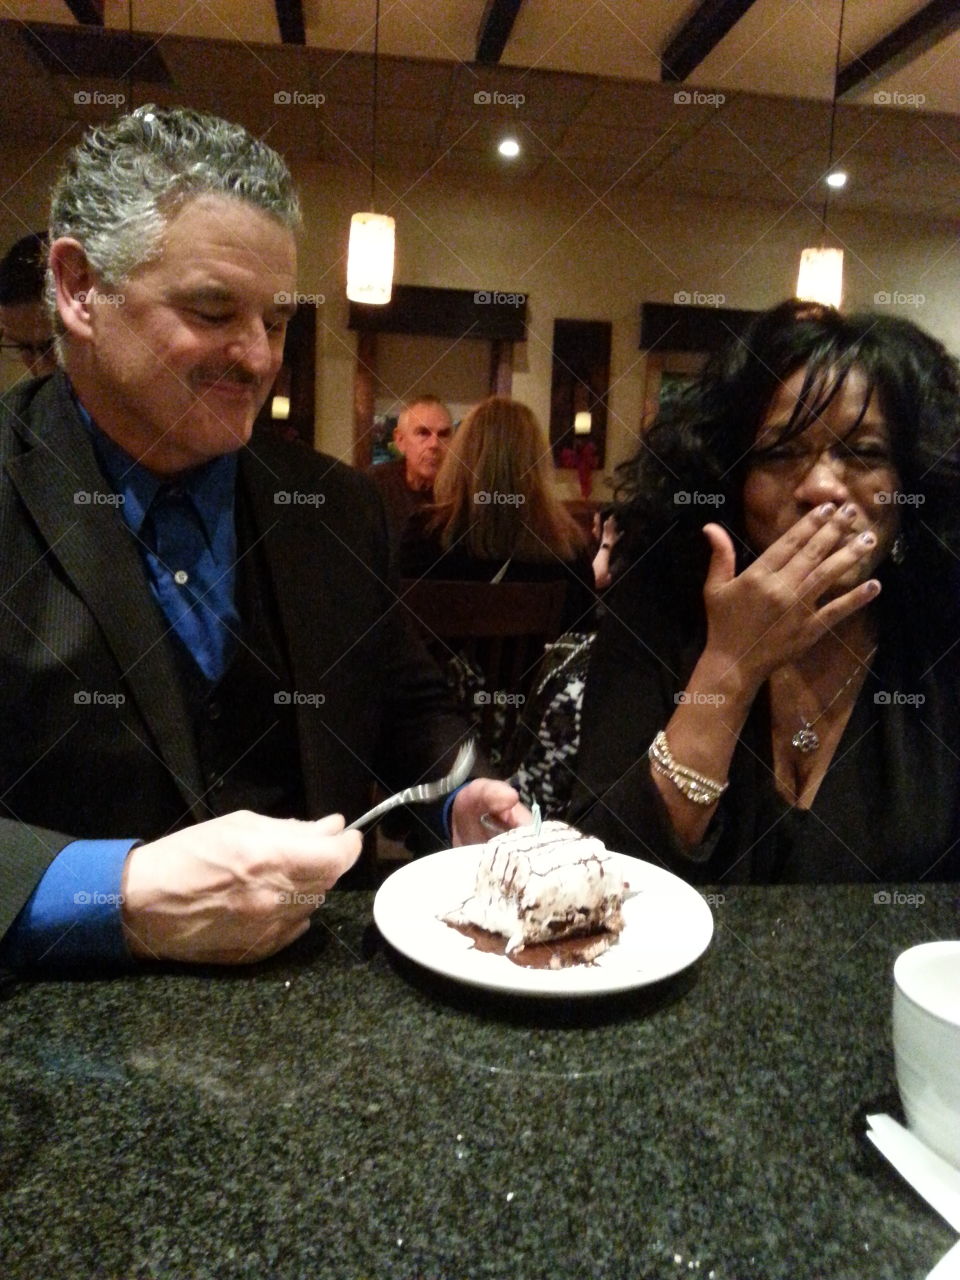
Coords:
pixel 500 629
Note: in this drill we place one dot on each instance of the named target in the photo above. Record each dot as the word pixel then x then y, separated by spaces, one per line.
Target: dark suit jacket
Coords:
pixel 78 619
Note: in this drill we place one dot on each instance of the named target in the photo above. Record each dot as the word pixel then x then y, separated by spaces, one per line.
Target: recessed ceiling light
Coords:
pixel 509 147
pixel 837 179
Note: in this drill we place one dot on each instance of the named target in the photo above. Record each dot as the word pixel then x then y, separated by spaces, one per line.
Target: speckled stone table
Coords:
pixel 339 1113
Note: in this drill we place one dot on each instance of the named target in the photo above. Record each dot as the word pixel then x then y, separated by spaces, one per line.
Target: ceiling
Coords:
pixel 579 83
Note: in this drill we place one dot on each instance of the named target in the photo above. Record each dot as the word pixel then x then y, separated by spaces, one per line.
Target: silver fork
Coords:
pixel 426 790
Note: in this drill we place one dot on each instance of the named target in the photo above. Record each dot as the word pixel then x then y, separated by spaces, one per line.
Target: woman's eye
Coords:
pixel 872 451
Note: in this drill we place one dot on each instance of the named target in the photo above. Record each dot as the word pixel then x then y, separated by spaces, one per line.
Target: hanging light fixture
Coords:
pixel 370 252
pixel 821 269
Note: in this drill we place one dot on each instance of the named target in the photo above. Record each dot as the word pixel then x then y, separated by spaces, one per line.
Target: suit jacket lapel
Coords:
pixel 100 557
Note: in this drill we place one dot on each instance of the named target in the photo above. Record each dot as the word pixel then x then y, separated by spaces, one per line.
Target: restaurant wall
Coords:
pixel 574 256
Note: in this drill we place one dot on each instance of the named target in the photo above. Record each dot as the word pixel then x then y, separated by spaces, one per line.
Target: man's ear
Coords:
pixel 74 279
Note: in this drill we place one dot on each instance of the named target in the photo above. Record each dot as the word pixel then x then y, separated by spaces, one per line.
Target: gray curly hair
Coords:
pixel 125 179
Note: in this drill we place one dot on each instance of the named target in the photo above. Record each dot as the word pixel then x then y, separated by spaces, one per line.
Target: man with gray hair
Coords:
pixel 199 622
pixel 422 436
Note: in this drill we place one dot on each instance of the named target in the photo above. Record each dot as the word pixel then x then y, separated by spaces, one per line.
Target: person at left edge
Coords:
pixel 198 622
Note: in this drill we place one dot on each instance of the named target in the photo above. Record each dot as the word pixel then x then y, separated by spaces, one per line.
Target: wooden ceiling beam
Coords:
pixel 89 12
pixel 933 23
pixel 494 30
pixel 699 36
pixel 290 21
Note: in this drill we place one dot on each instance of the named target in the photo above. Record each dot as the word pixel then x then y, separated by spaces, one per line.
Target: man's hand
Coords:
pixel 232 890
pixel 485 796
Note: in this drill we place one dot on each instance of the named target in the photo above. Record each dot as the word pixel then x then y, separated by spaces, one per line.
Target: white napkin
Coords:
pixel 929 1175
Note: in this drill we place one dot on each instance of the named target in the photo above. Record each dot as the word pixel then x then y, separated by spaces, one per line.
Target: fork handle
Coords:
pixel 366 818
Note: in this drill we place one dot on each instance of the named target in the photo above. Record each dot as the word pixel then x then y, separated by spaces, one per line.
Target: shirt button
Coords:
pixel 181 577
pixel 217 784
pixel 213 710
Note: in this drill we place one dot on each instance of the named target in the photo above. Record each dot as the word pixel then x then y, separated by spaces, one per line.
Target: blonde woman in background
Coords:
pixel 496 514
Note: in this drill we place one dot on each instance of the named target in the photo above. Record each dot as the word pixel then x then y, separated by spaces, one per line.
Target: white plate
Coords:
pixel 667 925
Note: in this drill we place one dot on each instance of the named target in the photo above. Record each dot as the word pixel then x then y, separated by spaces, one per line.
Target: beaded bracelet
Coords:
pixel 695 786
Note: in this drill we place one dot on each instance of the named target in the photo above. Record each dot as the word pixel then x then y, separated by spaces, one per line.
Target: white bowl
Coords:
pixel 926 1043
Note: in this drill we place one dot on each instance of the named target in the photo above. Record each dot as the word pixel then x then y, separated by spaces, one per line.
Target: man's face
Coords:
pixel 181 356
pixel 423 437
pixel 26 326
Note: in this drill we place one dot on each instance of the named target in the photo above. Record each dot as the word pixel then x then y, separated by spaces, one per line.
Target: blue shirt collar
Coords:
pixel 210 486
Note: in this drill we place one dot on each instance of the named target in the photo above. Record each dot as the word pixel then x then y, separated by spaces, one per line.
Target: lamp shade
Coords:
pixel 370 258
pixel 821 276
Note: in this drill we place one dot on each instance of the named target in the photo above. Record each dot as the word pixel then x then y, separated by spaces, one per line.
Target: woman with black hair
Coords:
pixel 774 693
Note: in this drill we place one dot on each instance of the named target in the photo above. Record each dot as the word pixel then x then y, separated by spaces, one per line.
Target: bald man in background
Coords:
pixel 422 436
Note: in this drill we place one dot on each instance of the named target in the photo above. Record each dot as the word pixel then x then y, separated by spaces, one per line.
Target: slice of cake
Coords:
pixel 543 886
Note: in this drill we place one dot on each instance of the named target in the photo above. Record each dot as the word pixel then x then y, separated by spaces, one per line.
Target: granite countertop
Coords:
pixel 340 1113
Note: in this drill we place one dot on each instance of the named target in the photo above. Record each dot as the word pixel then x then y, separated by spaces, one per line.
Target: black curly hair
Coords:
pixel 693 461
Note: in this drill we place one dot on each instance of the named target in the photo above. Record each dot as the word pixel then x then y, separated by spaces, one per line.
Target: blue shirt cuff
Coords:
pixel 73 918
pixel 446 815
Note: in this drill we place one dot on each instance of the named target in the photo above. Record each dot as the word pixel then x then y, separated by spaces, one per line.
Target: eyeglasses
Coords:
pixel 28 350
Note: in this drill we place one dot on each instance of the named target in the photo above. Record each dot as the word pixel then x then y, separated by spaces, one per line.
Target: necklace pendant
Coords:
pixel 805 740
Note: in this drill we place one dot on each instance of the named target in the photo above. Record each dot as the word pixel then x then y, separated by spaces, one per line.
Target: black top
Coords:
pixel 399 500
pixel 423 556
pixel 888 807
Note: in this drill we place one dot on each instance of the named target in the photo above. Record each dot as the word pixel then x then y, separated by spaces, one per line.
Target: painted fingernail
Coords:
pixel 872 587
pixel 827 509
pixel 849 511
pixel 867 539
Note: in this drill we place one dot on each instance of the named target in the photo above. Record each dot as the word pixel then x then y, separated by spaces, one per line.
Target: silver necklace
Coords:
pixel 806 738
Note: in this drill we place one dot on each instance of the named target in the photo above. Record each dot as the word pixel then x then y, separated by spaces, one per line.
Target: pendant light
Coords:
pixel 821 269
pixel 372 235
